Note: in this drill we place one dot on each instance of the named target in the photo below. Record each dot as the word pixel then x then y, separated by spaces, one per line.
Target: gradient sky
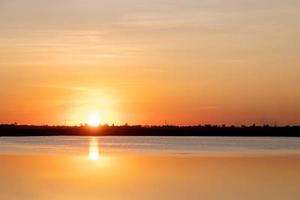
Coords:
pixel 144 62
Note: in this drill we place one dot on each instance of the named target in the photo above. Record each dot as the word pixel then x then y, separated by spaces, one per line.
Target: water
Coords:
pixel 146 168
pixel 140 145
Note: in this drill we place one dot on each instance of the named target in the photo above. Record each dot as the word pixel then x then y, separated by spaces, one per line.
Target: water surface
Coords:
pixel 160 145
pixel 119 168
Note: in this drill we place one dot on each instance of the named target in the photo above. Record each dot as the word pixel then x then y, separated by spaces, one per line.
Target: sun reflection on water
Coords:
pixel 94 153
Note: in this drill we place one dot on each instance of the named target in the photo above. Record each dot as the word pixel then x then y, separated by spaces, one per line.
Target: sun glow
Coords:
pixel 94 120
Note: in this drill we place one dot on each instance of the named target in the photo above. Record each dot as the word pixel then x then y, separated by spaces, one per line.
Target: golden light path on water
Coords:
pixel 94 153
pixel 97 159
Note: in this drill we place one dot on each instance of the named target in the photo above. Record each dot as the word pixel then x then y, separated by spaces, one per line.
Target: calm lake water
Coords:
pixel 119 168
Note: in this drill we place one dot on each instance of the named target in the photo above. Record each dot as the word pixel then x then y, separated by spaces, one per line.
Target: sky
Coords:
pixel 150 62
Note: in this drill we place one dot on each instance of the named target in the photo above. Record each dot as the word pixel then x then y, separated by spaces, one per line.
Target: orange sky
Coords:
pixel 144 62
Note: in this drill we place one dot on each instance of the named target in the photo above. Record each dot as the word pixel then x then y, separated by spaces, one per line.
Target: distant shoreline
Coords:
pixel 207 130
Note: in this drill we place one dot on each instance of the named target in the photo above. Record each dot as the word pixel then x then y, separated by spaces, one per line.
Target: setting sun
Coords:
pixel 94 120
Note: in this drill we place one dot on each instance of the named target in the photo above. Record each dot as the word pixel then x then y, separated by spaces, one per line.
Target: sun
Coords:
pixel 94 120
